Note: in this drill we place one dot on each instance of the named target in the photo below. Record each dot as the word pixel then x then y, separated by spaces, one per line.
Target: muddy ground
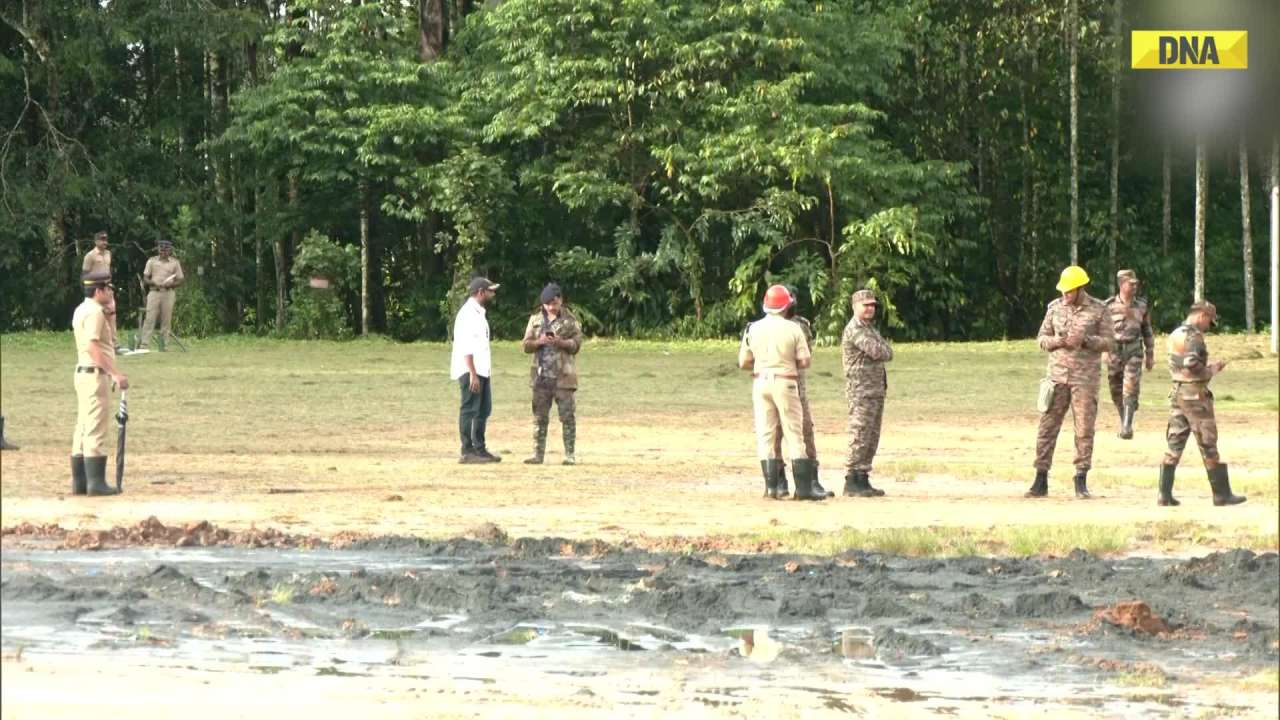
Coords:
pixel 594 626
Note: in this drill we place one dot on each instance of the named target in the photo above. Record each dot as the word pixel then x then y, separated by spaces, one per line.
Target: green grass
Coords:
pixel 1148 678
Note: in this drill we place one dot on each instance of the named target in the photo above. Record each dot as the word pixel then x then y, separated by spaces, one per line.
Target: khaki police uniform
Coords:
pixel 776 345
pixel 93 385
pixel 161 275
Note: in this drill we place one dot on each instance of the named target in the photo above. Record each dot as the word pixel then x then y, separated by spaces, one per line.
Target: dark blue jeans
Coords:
pixel 473 414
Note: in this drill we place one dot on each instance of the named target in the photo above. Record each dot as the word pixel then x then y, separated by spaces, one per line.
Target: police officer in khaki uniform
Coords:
pixel 97 262
pixel 162 274
pixel 1191 406
pixel 775 350
pixel 94 373
pixel 810 444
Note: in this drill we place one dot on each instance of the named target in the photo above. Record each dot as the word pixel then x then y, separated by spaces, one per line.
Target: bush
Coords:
pixel 318 313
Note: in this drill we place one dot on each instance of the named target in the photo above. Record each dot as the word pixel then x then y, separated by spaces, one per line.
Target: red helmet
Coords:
pixel 777 298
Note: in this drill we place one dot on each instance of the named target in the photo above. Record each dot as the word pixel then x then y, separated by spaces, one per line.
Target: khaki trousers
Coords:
pixel 776 402
pixel 159 305
pixel 93 393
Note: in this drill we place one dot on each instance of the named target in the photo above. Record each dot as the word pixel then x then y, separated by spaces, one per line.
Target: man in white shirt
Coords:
pixel 471 365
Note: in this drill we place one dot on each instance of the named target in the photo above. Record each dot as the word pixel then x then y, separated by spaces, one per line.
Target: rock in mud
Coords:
pixel 892 646
pixel 1134 615
pixel 977 605
pixel 1054 603
pixel 883 606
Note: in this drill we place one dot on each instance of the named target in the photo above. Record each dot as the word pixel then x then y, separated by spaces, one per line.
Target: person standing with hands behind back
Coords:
pixel 162 274
pixel 553 338
pixel 471 365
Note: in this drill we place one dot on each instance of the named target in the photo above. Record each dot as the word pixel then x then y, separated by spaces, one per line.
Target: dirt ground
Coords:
pixel 315 443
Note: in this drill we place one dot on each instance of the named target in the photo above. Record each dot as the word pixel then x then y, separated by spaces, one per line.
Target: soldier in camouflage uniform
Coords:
pixel 864 353
pixel 810 446
pixel 1075 333
pixel 553 337
pixel 1135 345
pixel 1191 406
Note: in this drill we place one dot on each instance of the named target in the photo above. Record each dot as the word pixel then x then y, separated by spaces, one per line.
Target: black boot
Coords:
pixel 1221 484
pixel 817 485
pixel 856 485
pixel 4 442
pixel 783 489
pixel 805 470
pixel 1126 418
pixel 1166 486
pixel 79 481
pixel 771 469
pixel 95 469
pixel 1039 488
pixel 1082 489
pixel 864 482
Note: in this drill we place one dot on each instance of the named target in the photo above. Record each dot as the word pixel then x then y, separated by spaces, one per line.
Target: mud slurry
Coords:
pixel 928 631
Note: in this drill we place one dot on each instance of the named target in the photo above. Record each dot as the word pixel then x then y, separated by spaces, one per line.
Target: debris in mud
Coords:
pixel 1054 603
pixel 487 532
pixel 1134 615
pixel 153 532
pixel 894 647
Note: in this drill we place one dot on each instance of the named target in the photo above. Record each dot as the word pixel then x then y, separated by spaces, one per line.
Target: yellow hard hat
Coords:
pixel 1073 277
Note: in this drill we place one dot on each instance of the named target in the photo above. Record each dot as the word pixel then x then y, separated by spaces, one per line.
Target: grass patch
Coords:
pixel 1145 678
pixel 1264 681
pixel 282 594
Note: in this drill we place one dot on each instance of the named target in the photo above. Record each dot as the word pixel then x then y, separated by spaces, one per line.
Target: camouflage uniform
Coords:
pixel 810 446
pixel 864 353
pixel 1190 401
pixel 553 375
pixel 1135 345
pixel 1075 375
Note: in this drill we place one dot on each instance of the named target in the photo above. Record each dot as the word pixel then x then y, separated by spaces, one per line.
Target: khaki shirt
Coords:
pixel 159 271
pixel 96 261
pixel 91 327
pixel 775 344
pixel 1087 318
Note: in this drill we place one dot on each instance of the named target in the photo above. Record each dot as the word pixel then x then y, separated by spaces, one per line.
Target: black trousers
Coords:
pixel 474 413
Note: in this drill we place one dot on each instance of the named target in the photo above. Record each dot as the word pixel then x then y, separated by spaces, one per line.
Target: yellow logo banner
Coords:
pixel 1190 49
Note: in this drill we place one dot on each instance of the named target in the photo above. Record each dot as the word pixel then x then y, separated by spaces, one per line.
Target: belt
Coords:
pixel 88 369
pixel 770 375
pixel 157 288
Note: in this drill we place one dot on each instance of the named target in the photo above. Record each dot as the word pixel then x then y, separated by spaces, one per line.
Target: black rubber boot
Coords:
pixel 805 470
pixel 4 442
pixel 1039 488
pixel 79 481
pixel 1082 489
pixel 771 469
pixel 95 469
pixel 784 490
pixel 1221 484
pixel 1126 418
pixel 817 485
pixel 1166 486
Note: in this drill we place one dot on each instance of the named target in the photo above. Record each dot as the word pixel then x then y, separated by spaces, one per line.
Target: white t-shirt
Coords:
pixel 471 337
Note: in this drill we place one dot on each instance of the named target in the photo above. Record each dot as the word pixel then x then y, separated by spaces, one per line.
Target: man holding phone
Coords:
pixel 1191 406
pixel 553 337
pixel 471 364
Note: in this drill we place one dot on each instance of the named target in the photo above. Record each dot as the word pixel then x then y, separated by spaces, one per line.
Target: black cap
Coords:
pixel 481 283
pixel 165 244
pixel 549 293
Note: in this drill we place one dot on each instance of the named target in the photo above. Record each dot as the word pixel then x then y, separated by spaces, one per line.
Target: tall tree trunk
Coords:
pixel 1166 194
pixel 433 29
pixel 1202 196
pixel 1275 242
pixel 1246 235
pixel 365 280
pixel 1115 141
pixel 282 252
pixel 261 280
pixel 1075 128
